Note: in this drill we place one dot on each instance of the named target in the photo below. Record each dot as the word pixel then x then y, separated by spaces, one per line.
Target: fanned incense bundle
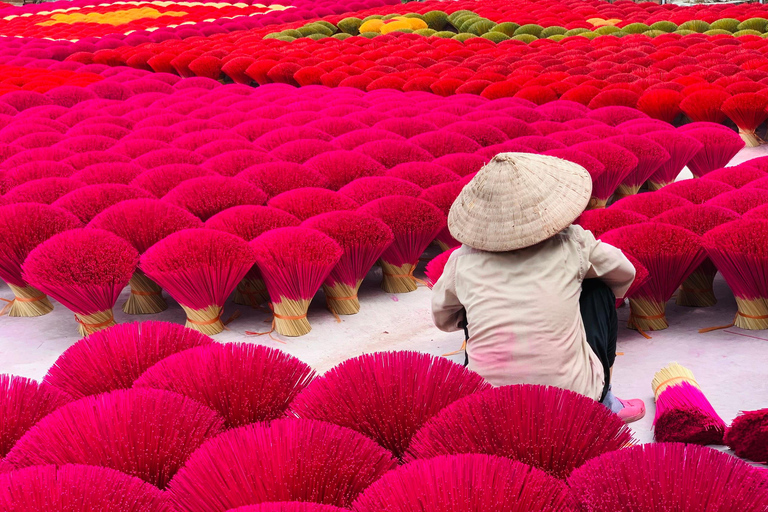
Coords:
pixel 318 462
pixel 741 200
pixel 87 202
pixel 243 383
pixel 414 223
pixel 288 506
pixel 661 104
pixel 683 413
pixel 719 147
pixel 593 166
pixel 697 191
pixel 696 290
pixel 650 205
pixel 600 221
pixel 669 476
pixel 274 178
pixel 78 488
pixel 551 429
pixel 199 268
pixel 44 190
pixel 143 223
pixel 423 174
pixel 161 180
pixel 705 106
pixel 365 190
pixel 295 261
pixel 146 433
pixel 650 156
pixel 304 203
pixel 681 149
pixel 386 396
pixel 114 358
pixel 443 196
pixel 85 270
pixel 112 172
pixel 362 239
pixel 739 252
pixel 249 222
pixel 641 276
pixel 342 167
pixel 23 227
pixel 670 254
pixel 748 111
pixel 209 195
pixel 748 435
pixel 618 163
pixel 736 176
pixel 470 483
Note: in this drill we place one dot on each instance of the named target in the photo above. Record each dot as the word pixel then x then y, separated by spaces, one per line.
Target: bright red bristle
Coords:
pixel 159 431
pixel 605 219
pixel 705 105
pixel 615 115
pixel 208 195
pixel 748 111
pixel 383 395
pixel 757 213
pixel 274 138
pixel 301 150
pixel 697 191
pixel 243 383
pixel 618 163
pixel 423 174
pixel 166 156
pixel 353 139
pixel 318 462
pixel 698 218
pixel 161 180
pixel 89 201
pixel 571 138
pixel 393 152
pixel 651 204
pixel 443 195
pixel 758 163
pixel 547 127
pixel 712 480
pixel 274 178
pixel 537 425
pixel 232 163
pixel 736 176
pixel 591 164
pixel 112 172
pixel 443 142
pixel 343 167
pixel 44 190
pixel 307 202
pixel 484 134
pixel 365 190
pixel 650 157
pixel 741 200
pixel 78 488
pixel 748 435
pixel 719 147
pixel 663 104
pixel 681 149
pixel 461 163
pixel 614 98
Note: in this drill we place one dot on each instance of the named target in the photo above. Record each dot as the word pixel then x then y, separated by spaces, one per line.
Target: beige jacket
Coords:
pixel 523 311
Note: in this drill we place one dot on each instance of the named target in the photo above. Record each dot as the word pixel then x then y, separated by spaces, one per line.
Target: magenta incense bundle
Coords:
pixel 209 195
pixel 443 195
pixel 87 202
pixel 304 203
pixel 365 190
pixel 274 178
pixel 603 220
pixel 650 157
pixel 618 163
pixel 681 149
pixel 44 190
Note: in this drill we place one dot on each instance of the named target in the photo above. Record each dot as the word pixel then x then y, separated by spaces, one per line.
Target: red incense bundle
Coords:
pixel 114 358
pixel 209 195
pixel 23 227
pixel 696 290
pixel 342 167
pixel 393 152
pixel 720 146
pixel 87 202
pixel 748 111
pixel 85 270
pixel 414 223
pixel 650 156
pixel 199 268
pixel 304 203
pixel 143 223
pixel 161 180
pixel 683 413
pixel 443 196
pixel 705 106
pixel 288 506
pixel 436 266
pixel 697 191
pixel 670 254
pixel 274 178
pixel 600 221
pixel 44 190
pixel 423 174
pixel 748 435
pixel 249 222
pixel 537 425
pixel 365 190
pixel 618 163
pixel 736 176
pixel 741 200
pixel 681 149
pixel 362 239
pixel 650 205
pixel 661 104
pixel 295 261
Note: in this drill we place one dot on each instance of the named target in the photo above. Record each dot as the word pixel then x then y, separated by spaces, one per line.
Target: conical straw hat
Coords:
pixel 518 200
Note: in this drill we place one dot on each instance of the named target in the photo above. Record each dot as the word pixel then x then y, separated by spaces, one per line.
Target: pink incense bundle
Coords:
pixel 146 433
pixel 295 261
pixel 243 383
pixel 393 152
pixel 683 413
pixel 112 172
pixel 696 290
pixel 44 190
pixel 736 176
pixel 435 268
pixel 443 196
pixel 87 202
pixel 415 224
pixel 362 239
pixel 641 276
pixel 650 156
pixel 24 402
pixel 23 227
pixel 304 203
pixel 143 223
pixel 365 190
pixel 387 396
pixel 78 488
pixel 669 476
pixel 285 460
pixel 720 146
pixel 748 111
pixel 601 221
pixel 618 163
pixel 461 163
pixel 342 167
pixel 551 429
pixel 443 142
pixel 274 178
pixel 199 268
pixel 705 105
pixel 738 250
pixel 36 170
pixel 249 222
pixel 748 435
pixel 616 114
pixel 697 191
pixel 423 174
pixel 231 163
pixel 670 254
pixel 741 200
pixel 161 180
pixel 593 166
pixel 466 483
pixel 288 506
pixel 114 358
pixel 650 205
pixel 681 149
pixel 85 270
pixel 209 195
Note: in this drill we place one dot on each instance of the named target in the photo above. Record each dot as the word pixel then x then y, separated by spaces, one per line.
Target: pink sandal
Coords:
pixel 633 410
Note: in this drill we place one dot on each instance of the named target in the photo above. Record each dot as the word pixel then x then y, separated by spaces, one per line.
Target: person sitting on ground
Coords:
pixel 535 293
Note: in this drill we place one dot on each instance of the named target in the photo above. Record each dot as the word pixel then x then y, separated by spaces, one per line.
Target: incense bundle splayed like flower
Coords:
pixel 423 174
pixel 87 202
pixel 650 156
pixel 342 167
pixel 365 190
pixel 618 163
pixel 748 435
pixel 641 276
pixel 696 290
pixel 697 191
pixel 295 261
pixel 736 176
pixel 209 195
pixel 161 180
pixel 143 223
pixel 199 268
pixel 304 203
pixel 670 253
pixel 650 205
pixel 600 221
pixel 362 239
pixel 705 105
pixel 443 196
pixel 739 251
pixel 681 149
pixel 85 270
pixel 415 223
pixel 274 178
pixel 249 222
pixel 741 200
pixel 683 413
pixel 44 190
pixel 748 111
pixel 23 227
pixel 720 146
pixel 435 268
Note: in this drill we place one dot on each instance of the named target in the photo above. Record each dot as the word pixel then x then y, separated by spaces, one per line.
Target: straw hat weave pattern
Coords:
pixel 518 200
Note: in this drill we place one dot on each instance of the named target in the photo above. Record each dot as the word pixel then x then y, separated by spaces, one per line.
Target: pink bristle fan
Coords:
pixel 606 219
pixel 436 266
pixel 461 163
pixel 443 196
pixel 697 191
pixel 288 506
pixel 650 156
pixel 650 205
pixel 161 180
pixel 274 178
pixel 342 167
pixel 618 163
pixel 44 190
pixel 681 149
pixel 209 195
pixel 423 174
pixel 231 163
pixel 736 176
pixel 23 227
pixel 199 268
pixel 143 223
pixel 87 202
pixel 304 203
pixel 85 270
pixel 112 172
pixel 362 239
pixel 748 111
pixel 415 223
pixel 249 222
pixel 719 147
pixel 365 190
pixel 741 200
pixel 294 261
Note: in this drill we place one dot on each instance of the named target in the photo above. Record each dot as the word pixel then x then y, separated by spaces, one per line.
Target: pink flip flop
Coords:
pixel 633 410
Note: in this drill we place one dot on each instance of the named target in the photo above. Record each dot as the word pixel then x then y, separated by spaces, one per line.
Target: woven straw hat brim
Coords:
pixel 518 200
